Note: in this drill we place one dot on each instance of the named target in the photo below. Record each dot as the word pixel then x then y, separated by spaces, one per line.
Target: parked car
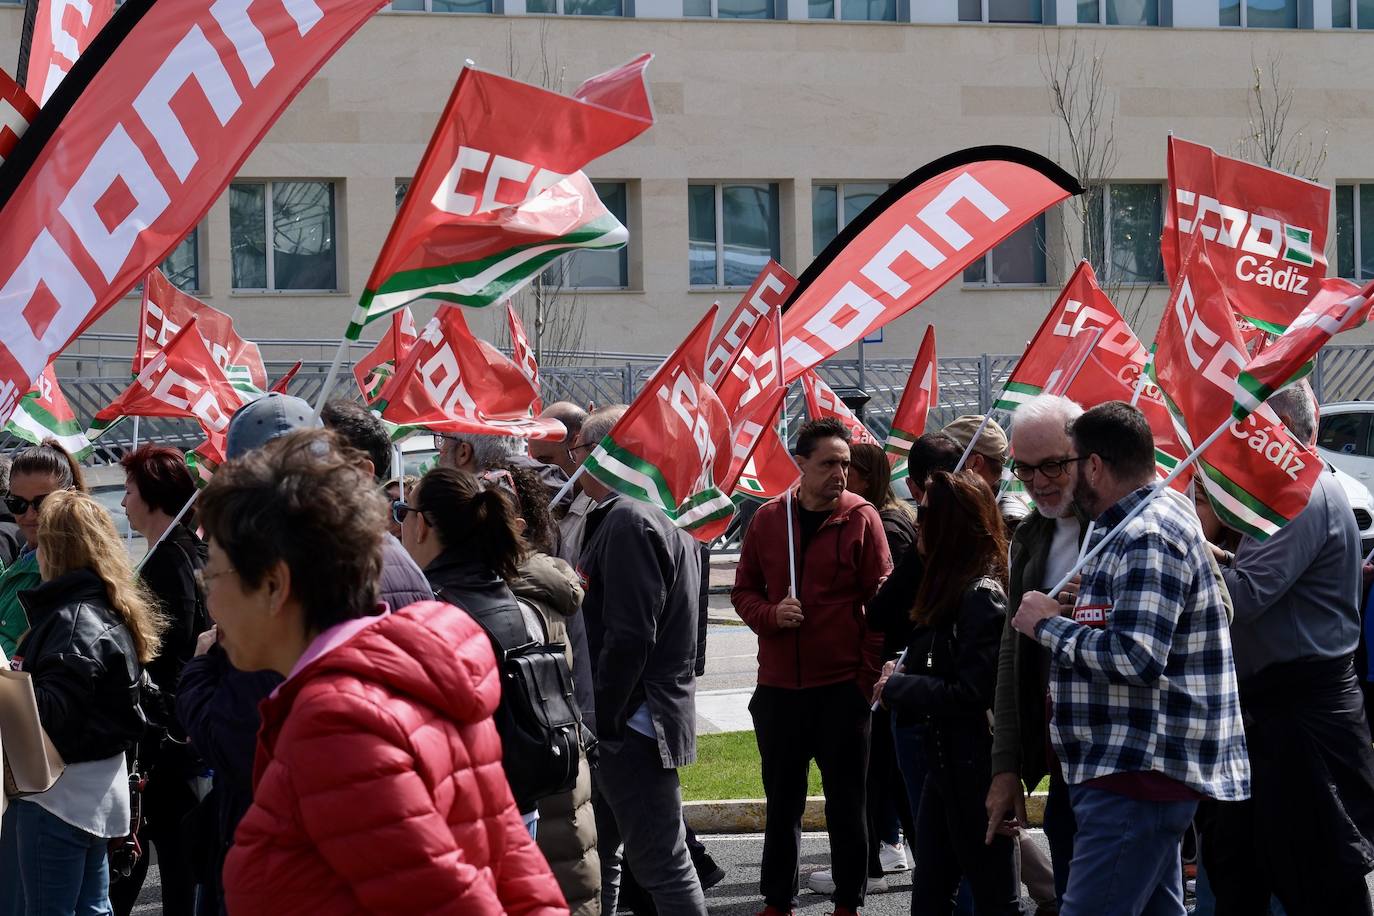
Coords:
pixel 1345 440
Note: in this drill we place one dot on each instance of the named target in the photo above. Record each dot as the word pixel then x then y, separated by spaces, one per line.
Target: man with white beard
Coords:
pixel 1043 549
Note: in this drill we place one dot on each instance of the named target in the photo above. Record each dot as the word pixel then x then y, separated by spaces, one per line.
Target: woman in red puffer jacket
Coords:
pixel 378 785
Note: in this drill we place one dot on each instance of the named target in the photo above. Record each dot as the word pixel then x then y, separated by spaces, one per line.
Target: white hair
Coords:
pixel 489 452
pixel 1047 408
pixel 1297 409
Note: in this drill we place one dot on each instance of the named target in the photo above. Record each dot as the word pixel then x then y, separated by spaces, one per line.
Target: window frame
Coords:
pixel 1245 17
pixel 558 11
pixel 838 16
pixel 622 254
pixel 985 284
pixel 429 8
pixel 839 187
pixel 773 186
pixel 1107 272
pixel 986 5
pixel 1354 26
pixel 270 271
pixel 1356 229
pixel 1102 18
pixel 715 13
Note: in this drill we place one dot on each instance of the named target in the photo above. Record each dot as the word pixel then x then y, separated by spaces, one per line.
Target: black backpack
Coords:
pixel 539 721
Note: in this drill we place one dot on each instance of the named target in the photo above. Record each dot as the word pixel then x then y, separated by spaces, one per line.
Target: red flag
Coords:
pixel 1266 230
pixel 166 310
pixel 280 385
pixel 523 355
pixel 672 447
pixel 180 380
pixel 1334 309
pixel 771 471
pixel 770 289
pixel 62 30
pixel 499 192
pixel 375 369
pixel 17 112
pixel 821 401
pixel 922 391
pixel 1257 475
pixel 452 382
pixel 132 150
pixel 909 242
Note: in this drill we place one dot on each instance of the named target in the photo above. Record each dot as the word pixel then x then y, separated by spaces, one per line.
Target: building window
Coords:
pixel 597 269
pixel 1000 11
pixel 1347 14
pixel 1020 259
pixel 182 266
pixel 576 7
pixel 1260 14
pixel 854 10
pixel 828 217
pixel 1119 12
pixel 443 6
pixel 1126 233
pixel 281 235
pixel 1355 231
pixel 402 186
pixel 732 232
pixel 729 9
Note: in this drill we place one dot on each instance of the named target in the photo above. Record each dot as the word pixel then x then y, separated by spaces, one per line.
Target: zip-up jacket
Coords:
pixel 843 565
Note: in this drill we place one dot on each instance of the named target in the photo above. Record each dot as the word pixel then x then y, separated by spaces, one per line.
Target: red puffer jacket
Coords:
pixel 378 785
pixel 840 570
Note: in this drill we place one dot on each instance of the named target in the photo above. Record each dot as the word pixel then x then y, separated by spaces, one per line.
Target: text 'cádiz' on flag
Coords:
pixel 672 447
pixel 499 192
pixel 158 114
pixel 44 413
pixel 918 235
pixel 1256 474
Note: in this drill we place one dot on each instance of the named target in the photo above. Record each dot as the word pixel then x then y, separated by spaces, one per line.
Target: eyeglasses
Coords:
pixel 399 510
pixel 572 452
pixel 1050 470
pixel 203 581
pixel 18 505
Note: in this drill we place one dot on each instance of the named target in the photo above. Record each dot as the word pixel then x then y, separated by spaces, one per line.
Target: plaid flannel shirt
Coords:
pixel 1146 681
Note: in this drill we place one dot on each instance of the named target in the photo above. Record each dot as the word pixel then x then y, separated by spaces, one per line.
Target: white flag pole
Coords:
pixel 963 459
pixel 1158 488
pixel 330 378
pixel 175 519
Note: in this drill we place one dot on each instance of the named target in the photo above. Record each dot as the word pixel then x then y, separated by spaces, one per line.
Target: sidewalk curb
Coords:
pixel 747 815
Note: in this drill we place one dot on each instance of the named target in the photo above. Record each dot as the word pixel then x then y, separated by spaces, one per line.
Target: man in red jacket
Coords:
pixel 818 661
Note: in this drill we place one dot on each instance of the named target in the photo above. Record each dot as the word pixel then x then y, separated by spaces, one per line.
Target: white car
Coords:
pixel 1344 441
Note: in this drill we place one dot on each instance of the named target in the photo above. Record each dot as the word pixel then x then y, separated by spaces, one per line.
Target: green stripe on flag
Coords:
pixel 1240 499
pixel 1014 394
pixel 32 423
pixel 622 470
pixel 703 508
pixel 485 281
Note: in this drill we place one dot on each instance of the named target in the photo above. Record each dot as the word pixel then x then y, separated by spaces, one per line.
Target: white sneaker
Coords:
pixel 823 882
pixel 892 857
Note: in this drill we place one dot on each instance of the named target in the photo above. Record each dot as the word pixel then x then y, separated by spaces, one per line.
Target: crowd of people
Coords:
pixel 333 688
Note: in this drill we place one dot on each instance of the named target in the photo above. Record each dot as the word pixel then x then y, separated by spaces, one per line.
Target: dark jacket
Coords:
pixel 949 673
pixel 402 583
pixel 1020 735
pixel 466 581
pixel 85 668
pixel 837 575
pixel 12 541
pixel 900 528
pixel 642 579
pixel 170 574
pixel 889 613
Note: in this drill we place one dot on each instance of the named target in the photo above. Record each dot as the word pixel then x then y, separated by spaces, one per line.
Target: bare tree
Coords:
pixel 1084 143
pixel 1270 139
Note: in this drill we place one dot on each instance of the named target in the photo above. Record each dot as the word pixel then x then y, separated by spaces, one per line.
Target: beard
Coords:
pixel 1085 497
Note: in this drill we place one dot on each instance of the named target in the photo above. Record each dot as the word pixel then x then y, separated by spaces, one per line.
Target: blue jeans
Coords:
pixel 910 742
pixel 1126 855
pixel 1059 830
pixel 50 868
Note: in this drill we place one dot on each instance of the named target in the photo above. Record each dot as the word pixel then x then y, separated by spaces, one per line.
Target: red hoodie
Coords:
pixel 841 569
pixel 378 785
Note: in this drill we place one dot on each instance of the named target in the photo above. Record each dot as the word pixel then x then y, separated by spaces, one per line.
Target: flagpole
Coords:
pixel 563 490
pixel 1158 487
pixel 777 367
pixel 330 378
pixel 130 534
pixel 175 519
pixel 1144 377
pixel 399 458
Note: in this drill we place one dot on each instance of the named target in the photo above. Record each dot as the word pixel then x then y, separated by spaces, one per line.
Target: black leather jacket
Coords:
pixel 85 668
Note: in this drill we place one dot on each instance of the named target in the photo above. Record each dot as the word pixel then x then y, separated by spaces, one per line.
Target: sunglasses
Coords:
pixel 399 510
pixel 18 505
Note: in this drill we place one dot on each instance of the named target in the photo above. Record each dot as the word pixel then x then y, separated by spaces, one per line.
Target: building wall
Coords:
pixel 796 102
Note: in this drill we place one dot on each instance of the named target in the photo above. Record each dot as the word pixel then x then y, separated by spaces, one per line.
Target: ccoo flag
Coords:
pixel 523 355
pixel 921 393
pixel 62 30
pixel 17 112
pixel 166 310
pixel 44 413
pixel 921 233
pixel 1257 476
pixel 672 447
pixel 1265 231
pixel 822 401
pixel 499 193
pixel 769 290
pixel 374 370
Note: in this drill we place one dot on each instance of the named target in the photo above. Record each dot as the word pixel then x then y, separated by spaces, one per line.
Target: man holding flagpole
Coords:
pixel 818 660
pixel 1145 711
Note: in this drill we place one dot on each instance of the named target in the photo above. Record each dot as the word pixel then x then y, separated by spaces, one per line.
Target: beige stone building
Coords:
pixel 771 130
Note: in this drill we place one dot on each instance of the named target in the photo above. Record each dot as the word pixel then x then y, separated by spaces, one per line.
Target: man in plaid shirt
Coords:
pixel 1145 710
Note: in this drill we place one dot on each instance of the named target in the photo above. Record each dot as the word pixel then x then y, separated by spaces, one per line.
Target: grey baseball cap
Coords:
pixel 259 422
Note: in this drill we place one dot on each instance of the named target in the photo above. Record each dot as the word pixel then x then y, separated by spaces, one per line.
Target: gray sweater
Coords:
pixel 1296 595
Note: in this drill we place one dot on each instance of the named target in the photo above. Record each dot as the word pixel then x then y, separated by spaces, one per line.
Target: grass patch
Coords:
pixel 728 766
